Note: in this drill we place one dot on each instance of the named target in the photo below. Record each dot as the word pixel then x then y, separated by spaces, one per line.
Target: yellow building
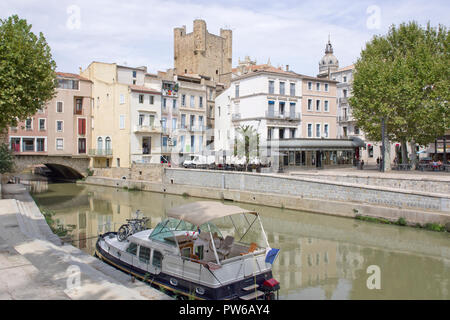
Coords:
pixel 113 90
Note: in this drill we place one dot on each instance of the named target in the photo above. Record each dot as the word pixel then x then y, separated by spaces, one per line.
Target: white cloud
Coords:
pixel 141 32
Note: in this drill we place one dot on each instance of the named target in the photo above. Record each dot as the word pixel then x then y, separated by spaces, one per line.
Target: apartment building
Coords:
pixel 127 115
pixel 293 115
pixel 62 127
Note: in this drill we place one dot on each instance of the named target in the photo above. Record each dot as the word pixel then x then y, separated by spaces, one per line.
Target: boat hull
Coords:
pixel 185 288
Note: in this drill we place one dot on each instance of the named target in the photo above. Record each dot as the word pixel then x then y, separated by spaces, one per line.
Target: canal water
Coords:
pixel 321 257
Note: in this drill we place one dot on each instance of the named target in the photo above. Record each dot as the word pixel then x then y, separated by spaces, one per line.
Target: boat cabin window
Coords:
pixel 132 248
pixel 199 252
pixel 163 232
pixel 157 259
pixel 144 254
pixel 186 252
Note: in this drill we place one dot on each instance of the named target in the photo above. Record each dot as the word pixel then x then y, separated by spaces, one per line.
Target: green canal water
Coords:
pixel 321 257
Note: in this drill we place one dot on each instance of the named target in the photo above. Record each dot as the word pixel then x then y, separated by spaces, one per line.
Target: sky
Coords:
pixel 140 32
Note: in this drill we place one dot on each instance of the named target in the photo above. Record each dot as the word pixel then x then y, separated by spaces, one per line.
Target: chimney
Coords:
pixel 287 67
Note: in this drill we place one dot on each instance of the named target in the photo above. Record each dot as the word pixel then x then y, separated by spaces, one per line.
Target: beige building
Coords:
pixel 203 53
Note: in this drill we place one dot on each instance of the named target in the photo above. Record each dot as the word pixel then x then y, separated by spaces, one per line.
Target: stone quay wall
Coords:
pixel 147 172
pixel 309 188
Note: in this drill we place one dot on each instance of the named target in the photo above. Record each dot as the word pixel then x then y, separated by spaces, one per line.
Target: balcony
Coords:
pixel 147 129
pixel 103 153
pixel 343 100
pixel 170 92
pixel 236 116
pixel 345 118
pixel 290 116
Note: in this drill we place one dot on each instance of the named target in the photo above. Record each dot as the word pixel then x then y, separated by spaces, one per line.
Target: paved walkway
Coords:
pixel 34 264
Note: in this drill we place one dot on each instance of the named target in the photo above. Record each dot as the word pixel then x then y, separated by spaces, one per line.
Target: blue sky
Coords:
pixel 140 32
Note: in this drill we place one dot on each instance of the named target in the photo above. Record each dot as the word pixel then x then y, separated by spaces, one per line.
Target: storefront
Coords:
pixel 310 153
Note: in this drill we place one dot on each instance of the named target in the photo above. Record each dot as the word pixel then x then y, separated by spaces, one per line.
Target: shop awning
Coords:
pixel 317 144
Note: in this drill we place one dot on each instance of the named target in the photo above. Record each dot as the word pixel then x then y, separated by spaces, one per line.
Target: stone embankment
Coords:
pixel 304 193
pixel 34 264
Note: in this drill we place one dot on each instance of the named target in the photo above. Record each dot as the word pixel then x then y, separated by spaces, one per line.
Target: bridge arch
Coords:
pixel 64 166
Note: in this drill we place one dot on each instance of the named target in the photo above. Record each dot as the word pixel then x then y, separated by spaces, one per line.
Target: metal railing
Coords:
pixel 283 115
pixel 147 128
pixel 100 152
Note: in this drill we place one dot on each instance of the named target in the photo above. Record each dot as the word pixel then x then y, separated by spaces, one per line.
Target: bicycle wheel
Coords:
pixel 122 233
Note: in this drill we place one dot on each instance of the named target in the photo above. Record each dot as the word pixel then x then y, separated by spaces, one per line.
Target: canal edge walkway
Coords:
pixel 34 264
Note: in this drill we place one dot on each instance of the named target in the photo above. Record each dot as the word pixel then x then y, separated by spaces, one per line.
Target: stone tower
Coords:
pixel 329 63
pixel 203 53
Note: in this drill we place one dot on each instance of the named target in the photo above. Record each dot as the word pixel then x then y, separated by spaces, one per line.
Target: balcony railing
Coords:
pixel 343 100
pixel 147 129
pixel 345 118
pixel 170 92
pixel 100 152
pixel 283 115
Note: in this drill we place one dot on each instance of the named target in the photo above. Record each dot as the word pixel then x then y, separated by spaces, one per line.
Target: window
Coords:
pixel 174 123
pixel 151 99
pixel 122 99
pixel 141 119
pixel 78 106
pixel 310 104
pixel 59 106
pixel 292 89
pixel 345 78
pixel 164 103
pixel 271 86
pixel 200 122
pixel 40 144
pixel 192 121
pixel 281 133
pixel 99 143
pixel 81 126
pixel 199 252
pixel 237 91
pixel 132 248
pixel 192 143
pixel 325 130
pixel 317 105
pixel 281 108
pixel 318 130
pixel 68 84
pixel 141 98
pixel 309 85
pixel 108 145
pixel 326 87
pixel 292 132
pixel 210 94
pixel 59 125
pixel 41 124
pixel 144 254
pixel 345 93
pixel 318 86
pixel 183 121
pixel 192 101
pixel 309 130
pixel 269 133
pixel 271 111
pixel 134 73
pixel 28 144
pixel 122 121
pixel 183 100
pixel 59 144
pixel 82 145
pixel 182 143
pixel 152 120
pixel 200 143
pixel 118 162
pixel 174 104
pixel 325 106
pixel 282 91
pixel 356 130
pixel 157 259
pixel 292 109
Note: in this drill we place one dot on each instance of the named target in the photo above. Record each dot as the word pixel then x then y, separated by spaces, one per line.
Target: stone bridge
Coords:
pixel 68 167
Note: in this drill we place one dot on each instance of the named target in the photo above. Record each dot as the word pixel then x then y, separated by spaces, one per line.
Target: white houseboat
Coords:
pixel 190 256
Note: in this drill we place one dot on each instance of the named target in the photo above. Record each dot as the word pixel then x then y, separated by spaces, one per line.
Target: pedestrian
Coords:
pixel 362 164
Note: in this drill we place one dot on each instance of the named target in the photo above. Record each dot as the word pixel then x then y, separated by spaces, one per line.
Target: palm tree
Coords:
pixel 246 140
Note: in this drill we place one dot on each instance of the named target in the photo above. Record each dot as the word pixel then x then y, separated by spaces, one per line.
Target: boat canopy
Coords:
pixel 201 212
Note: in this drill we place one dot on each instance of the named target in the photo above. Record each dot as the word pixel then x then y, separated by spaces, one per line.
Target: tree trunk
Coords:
pixel 413 155
pixel 404 152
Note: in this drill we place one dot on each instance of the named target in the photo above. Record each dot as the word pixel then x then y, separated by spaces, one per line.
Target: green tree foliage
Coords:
pixel 404 77
pixel 27 71
pixel 6 159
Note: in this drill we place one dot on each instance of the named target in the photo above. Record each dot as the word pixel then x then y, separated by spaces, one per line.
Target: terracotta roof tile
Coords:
pixel 71 75
pixel 143 89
